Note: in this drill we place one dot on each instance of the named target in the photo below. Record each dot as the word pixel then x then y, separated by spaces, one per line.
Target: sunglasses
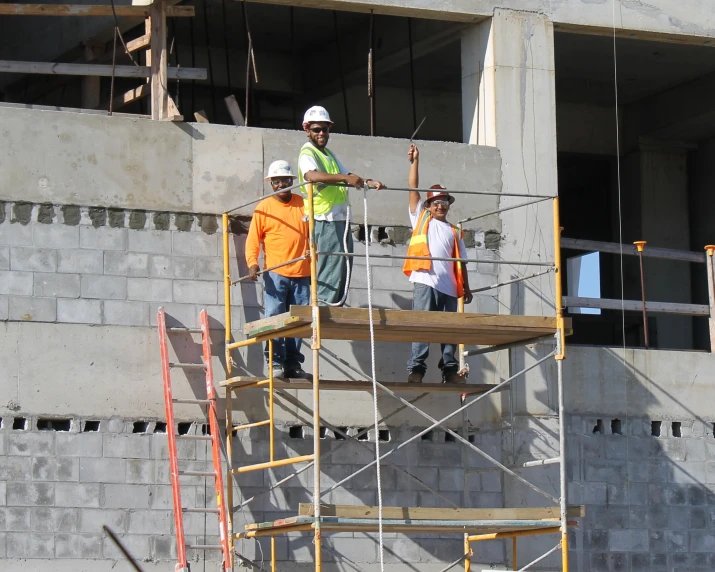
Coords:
pixel 438 203
pixel 319 129
pixel 288 181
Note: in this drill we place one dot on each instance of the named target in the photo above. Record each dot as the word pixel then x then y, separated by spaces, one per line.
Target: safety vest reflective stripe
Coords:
pixel 329 195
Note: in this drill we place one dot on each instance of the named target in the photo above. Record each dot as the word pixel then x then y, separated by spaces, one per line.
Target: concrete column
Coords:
pixel 508 101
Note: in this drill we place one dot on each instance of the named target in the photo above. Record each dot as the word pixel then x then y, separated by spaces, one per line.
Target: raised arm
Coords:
pixel 413 179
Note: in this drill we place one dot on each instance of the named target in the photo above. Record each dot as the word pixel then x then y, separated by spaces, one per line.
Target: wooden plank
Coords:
pixel 355 385
pixel 200 116
pixel 637 306
pixel 435 514
pixel 630 250
pixel 140 43
pixel 174 114
pixel 159 62
pixel 51 68
pixel 90 10
pixel 131 96
pixel 234 111
pixel 630 34
pixel 273 324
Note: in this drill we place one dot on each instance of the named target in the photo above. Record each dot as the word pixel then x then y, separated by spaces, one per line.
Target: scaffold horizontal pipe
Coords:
pixel 510 345
pixel 305 256
pixel 504 209
pixel 512 281
pixel 485 193
pixel 251 425
pixel 259 199
pixel 441 259
pixel 271 464
pixel 513 534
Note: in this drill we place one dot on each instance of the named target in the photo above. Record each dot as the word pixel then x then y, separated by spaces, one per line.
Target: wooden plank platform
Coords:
pixel 407 326
pixel 245 382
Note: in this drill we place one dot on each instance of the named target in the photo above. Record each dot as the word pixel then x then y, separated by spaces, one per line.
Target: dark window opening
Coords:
pixel 295 432
pixel 184 428
pixel 160 427
pixel 616 427
pixel 90 426
pixel 54 424
pixel 19 423
pixel 140 427
pixel 655 428
pixel 598 428
pixel 676 429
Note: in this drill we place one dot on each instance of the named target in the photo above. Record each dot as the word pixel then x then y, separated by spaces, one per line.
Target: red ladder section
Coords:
pixel 217 473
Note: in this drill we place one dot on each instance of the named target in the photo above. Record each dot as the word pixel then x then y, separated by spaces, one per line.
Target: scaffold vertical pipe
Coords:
pixel 467 553
pixel 271 435
pixel 229 417
pixel 460 309
pixel 315 346
pixel 709 251
pixel 515 564
pixel 560 355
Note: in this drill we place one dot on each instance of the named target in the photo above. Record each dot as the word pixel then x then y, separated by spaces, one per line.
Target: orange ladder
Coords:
pixel 213 436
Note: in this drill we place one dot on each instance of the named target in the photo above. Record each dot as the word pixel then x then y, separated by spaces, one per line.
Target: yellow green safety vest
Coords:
pixel 329 195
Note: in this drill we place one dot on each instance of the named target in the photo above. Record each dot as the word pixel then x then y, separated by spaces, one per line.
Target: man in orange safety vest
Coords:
pixel 437 284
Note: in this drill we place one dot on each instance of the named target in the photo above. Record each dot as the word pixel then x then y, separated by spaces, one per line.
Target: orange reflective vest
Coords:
pixel 419 246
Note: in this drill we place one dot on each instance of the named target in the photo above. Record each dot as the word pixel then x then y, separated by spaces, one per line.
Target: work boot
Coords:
pixel 298 374
pixel 277 372
pixel 415 377
pixel 454 377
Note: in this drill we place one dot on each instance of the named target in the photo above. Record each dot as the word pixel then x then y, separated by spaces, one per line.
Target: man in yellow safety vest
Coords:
pixel 437 284
pixel 317 164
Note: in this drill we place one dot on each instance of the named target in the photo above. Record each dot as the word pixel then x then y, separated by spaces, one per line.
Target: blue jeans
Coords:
pixel 431 300
pixel 280 293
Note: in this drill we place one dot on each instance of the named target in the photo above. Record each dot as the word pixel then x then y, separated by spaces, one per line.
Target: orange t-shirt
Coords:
pixel 280 228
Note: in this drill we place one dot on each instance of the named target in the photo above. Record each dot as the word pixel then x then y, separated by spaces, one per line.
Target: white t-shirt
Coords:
pixel 306 163
pixel 440 238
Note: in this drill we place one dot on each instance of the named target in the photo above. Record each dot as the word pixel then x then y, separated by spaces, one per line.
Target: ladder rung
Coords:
pixel 194 401
pixel 215 510
pixel 187 365
pixel 249 425
pixel 195 437
pixel 204 547
pixel 183 330
pixel 197 473
pixel 271 464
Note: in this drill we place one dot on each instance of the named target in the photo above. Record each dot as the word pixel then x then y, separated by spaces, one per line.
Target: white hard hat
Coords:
pixel 279 169
pixel 316 114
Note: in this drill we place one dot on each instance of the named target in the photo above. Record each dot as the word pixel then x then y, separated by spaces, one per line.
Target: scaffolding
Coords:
pixel 497 332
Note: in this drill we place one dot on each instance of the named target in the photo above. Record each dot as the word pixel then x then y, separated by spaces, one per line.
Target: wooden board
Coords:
pixel 243 382
pixel 417 513
pixel 50 68
pixel 87 10
pixel 408 326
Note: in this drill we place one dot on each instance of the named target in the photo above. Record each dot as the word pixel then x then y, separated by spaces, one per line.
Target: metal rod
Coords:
pixel 538 463
pixel 252 425
pixel 512 281
pixel 444 420
pixel 259 199
pixel 710 250
pixel 513 534
pixel 466 260
pixel 371 73
pixel 510 345
pixel 210 61
pixel 504 209
pixel 124 551
pixel 485 193
pixel 315 346
pixel 225 45
pixel 468 553
pixel 453 564
pixel 460 310
pixel 630 250
pixel 249 47
pixel 272 268
pixel 639 245
pixel 192 23
pixel 637 306
pixel 271 435
pixel 294 67
pixel 227 288
pixel 340 68
pixel 543 557
pixel 412 76
pixel 271 464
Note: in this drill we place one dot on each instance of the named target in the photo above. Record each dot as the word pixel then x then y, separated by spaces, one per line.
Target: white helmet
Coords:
pixel 279 169
pixel 316 114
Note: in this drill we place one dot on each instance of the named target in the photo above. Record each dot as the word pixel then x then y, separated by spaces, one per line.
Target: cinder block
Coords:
pixel 92 520
pixel 55 236
pixel 80 261
pixel 602 470
pixel 30 545
pixel 702 541
pixel 163 548
pixel 15 283
pixel 195 244
pixel 13 234
pixel 126 496
pixel 15 519
pixel 4 258
pixel 30 443
pixel 27 309
pixel 209 268
pixel 101 470
pixel 56 285
pixel 439 455
pixel 33 259
pixel 4 308
pixel 152 241
pixel 30 494
pixel 184 267
pixel 126 263
pixel 79 444
pixel 55 469
pixel 54 519
pixel 399 550
pixel 358 549
pixel 3 493
pixel 140 471
pixel 492 482
pixel 78 546
pixel 79 311
pixel 128 446
pixel 124 313
pixel 161 497
pixel 103 238
pixel 186 291
pixel 160 266
pixel 149 289
pixel 390 279
pixel 151 522
pixel 138 545
pixel 104 287
pixel 451 479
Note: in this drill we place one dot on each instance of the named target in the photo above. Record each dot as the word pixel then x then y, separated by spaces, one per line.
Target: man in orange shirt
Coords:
pixel 278 225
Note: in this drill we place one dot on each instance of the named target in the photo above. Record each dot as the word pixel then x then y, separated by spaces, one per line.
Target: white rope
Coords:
pixel 374 381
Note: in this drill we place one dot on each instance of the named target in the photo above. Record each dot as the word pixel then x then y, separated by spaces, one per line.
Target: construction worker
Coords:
pixel 317 164
pixel 278 224
pixel 437 284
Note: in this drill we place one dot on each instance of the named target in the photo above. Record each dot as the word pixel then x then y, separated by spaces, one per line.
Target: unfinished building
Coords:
pixel 127 131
